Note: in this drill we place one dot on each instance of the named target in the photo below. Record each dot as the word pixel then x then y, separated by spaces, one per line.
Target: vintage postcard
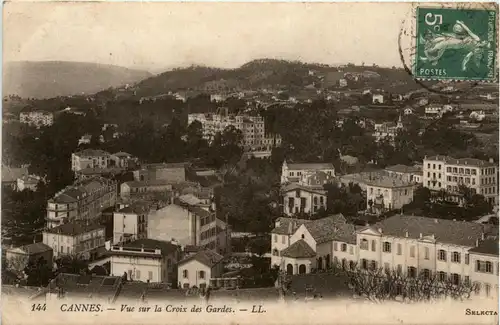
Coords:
pixel 250 163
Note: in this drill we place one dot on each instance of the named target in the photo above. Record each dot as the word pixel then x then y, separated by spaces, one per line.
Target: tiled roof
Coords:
pixel 206 257
pixel 76 191
pixel 85 286
pixel 488 246
pixel 299 249
pixel 138 207
pixel 91 153
pixel 74 228
pixel 284 225
pixel 445 231
pixel 403 169
pixel 331 228
pixel 310 166
pixel 294 186
pixel 462 161
pixel 388 182
pixel 35 248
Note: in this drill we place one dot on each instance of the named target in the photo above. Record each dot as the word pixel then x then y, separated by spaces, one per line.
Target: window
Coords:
pixel 283 239
pixel 363 244
pixel 335 248
pixel 442 255
pixel 412 251
pixel 426 253
pixel 399 249
pixel 387 247
pixel 487 289
pixel 275 252
pixel 302 236
pixel 455 278
pixel 351 250
pixel 426 273
pixel 484 267
pixel 202 274
pixel 373 246
pixel 442 276
pixel 137 274
pixel 373 265
pixel 399 269
pixel 455 257
pixel 343 247
pixel 275 238
pixel 364 264
pixel 185 274
pixel 412 272
pixel 467 280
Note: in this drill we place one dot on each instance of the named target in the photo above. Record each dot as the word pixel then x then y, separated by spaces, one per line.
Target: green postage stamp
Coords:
pixel 456 44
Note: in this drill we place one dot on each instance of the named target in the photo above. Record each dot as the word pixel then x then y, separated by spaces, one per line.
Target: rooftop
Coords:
pixel 35 248
pixel 166 247
pixel 287 226
pixel 403 169
pixel 380 178
pixel 138 207
pixel 206 257
pixel 79 189
pixel 85 286
pixel 460 233
pixel 462 161
pixel 165 165
pixel 331 228
pixel 159 182
pixel 74 228
pixel 488 247
pixel 91 153
pixel 299 249
pixel 310 166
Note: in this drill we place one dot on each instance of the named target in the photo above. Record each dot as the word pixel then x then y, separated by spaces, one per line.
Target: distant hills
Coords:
pixel 48 79
pixel 269 73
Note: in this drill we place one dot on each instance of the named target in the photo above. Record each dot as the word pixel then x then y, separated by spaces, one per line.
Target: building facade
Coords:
pixel 299 199
pixel 17 258
pixel 197 269
pixel 385 194
pixel 145 260
pixel 131 223
pixel 294 173
pixel 447 173
pixel 90 158
pixel 84 200
pixel 75 238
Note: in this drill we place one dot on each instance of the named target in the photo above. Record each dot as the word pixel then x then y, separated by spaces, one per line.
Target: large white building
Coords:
pixel 412 245
pixel 388 193
pixel 37 118
pixel 252 128
pixel 447 173
pixel 90 158
pixel 131 222
pixel 84 200
pixel 145 260
pixel 75 238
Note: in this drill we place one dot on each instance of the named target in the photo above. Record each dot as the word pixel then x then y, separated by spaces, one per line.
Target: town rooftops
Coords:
pixel 77 191
pixel 287 226
pixel 462 161
pixel 154 182
pixel 11 174
pixel 85 286
pixel 35 248
pixel 137 207
pixel 299 249
pixel 380 178
pixel 206 257
pixel 403 169
pixel 388 182
pixel 74 228
pixel 331 228
pixel 460 233
pixel 487 247
pixel 310 166
pixel 91 153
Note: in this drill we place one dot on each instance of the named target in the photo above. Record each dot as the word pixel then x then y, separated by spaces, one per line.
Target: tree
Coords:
pixel 38 273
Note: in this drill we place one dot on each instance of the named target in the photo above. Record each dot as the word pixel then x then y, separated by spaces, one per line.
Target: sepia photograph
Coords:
pixel 250 163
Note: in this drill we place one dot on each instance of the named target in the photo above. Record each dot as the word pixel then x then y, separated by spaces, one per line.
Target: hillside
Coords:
pixel 268 73
pixel 61 78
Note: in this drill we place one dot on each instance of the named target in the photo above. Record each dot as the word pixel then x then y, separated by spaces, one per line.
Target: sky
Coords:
pixel 156 36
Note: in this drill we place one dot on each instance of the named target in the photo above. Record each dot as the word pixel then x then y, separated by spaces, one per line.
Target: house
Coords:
pixel 292 173
pixel 75 238
pixel 190 225
pixel 411 174
pixel 484 262
pixel 124 160
pixel 85 200
pixel 17 258
pixel 388 193
pixel 171 172
pixel 298 198
pixel 133 188
pixel 146 260
pixel 309 245
pixel 131 222
pixel 198 269
pixel 28 182
pixel 377 99
pixel 448 173
pixel 90 158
